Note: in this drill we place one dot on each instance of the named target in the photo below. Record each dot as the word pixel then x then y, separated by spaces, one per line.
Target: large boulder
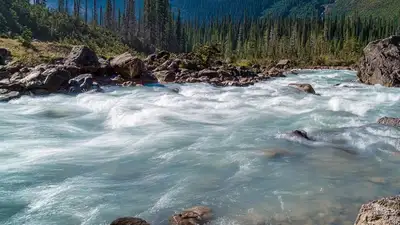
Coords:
pixel 385 211
pixel 5 55
pixel 129 221
pixel 165 76
pixel 380 63
pixel 83 83
pixel 82 56
pixel 283 64
pixel 55 78
pixel 197 215
pixel 208 73
pixel 128 66
pixel 49 78
pixel 389 121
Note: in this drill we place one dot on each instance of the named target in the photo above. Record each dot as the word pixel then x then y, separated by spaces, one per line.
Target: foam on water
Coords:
pixel 149 152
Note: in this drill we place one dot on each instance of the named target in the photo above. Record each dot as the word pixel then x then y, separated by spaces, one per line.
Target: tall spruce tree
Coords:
pixel 94 16
pixel 86 11
pixel 108 15
pixel 61 5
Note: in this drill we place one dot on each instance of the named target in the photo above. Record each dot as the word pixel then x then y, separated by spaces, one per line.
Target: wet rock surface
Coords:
pixel 194 216
pixel 385 211
pixel 389 121
pixel 380 63
pixel 304 87
pixel 129 221
pixel 64 75
pixel 127 65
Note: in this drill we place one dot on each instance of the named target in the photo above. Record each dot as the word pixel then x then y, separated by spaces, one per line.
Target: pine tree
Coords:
pixel 178 32
pixel 61 5
pixel 77 8
pixel 149 16
pixel 94 16
pixel 66 7
pixel 108 19
pixel 86 11
pixel 101 22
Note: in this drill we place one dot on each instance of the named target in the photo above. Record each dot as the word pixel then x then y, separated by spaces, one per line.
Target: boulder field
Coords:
pixel 82 70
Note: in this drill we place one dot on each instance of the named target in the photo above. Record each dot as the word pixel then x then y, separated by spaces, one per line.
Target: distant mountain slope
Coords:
pixel 384 8
pixel 256 8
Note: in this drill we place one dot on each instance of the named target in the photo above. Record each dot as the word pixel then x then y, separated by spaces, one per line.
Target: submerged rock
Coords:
pixel 304 87
pixel 6 95
pixel 385 211
pixel 377 180
pixel 278 153
pixel 129 221
pixel 301 134
pixel 389 121
pixel 380 63
pixel 194 216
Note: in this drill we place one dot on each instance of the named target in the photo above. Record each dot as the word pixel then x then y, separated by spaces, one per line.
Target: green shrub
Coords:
pixel 26 37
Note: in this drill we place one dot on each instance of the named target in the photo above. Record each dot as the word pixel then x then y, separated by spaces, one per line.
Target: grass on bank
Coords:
pixel 38 52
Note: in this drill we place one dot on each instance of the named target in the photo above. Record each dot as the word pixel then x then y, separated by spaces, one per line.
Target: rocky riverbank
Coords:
pixel 385 211
pixel 82 70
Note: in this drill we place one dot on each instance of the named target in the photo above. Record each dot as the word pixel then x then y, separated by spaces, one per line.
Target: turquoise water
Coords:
pixel 149 152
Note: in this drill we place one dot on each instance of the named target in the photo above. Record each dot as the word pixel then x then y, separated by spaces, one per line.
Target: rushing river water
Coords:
pixel 148 152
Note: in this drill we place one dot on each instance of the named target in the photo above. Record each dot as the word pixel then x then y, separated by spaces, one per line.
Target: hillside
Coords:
pixel 384 8
pixel 19 18
pixel 256 8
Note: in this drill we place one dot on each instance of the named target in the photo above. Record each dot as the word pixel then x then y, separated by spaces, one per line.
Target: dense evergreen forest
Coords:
pixel 313 39
pixel 207 9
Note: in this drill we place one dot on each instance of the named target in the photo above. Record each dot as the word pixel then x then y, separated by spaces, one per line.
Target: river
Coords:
pixel 149 152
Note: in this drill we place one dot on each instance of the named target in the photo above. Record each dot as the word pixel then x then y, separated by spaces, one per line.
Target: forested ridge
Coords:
pixel 207 9
pixel 334 39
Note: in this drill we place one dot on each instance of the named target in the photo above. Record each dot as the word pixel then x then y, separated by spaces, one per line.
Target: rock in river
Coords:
pixel 380 63
pixel 129 221
pixel 385 211
pixel 304 87
pixel 5 95
pixel 193 216
pixel 301 134
pixel 389 121
pixel 83 83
